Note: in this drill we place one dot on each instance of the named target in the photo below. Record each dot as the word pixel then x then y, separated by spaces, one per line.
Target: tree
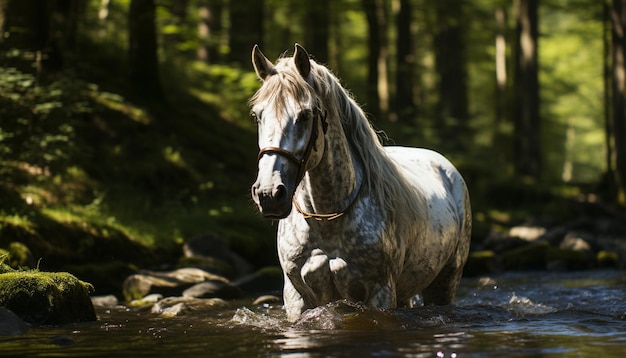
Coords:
pixel 500 59
pixel 405 104
pixel 143 50
pixel 317 22
pixel 377 83
pixel 526 119
pixel 209 29
pixel 246 29
pixel 450 64
pixel 616 123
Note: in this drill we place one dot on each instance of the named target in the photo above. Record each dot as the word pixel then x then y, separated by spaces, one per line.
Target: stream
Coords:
pixel 521 314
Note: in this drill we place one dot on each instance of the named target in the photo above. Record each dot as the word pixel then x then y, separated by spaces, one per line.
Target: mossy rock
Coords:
pixel 45 298
pixel 481 263
pixel 567 259
pixel 607 259
pixel 528 257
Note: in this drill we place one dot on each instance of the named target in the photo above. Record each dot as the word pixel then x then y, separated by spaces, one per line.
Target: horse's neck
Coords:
pixel 331 185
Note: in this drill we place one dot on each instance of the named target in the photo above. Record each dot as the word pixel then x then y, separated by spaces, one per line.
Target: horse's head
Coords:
pixel 291 124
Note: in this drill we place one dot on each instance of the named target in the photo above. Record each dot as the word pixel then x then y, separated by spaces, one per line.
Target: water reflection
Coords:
pixel 516 315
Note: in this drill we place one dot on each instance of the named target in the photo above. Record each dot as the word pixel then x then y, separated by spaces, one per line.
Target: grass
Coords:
pixel 127 177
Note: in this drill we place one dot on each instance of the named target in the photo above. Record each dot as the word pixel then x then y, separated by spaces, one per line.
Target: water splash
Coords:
pixel 525 306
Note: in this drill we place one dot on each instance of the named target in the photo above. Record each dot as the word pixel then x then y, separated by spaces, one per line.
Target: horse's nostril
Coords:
pixel 253 192
pixel 280 192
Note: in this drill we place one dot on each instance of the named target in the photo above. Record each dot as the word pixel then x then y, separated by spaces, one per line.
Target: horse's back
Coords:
pixel 446 241
pixel 430 172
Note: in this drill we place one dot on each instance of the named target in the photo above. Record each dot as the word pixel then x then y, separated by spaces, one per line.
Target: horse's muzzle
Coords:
pixel 274 201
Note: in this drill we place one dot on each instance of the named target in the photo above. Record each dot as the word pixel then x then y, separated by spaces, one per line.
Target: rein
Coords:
pixel 301 163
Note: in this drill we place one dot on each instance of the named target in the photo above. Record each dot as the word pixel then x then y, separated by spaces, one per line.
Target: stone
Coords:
pixel 527 233
pixel 146 301
pixel 177 306
pixel 45 298
pixel 11 324
pixel 266 299
pixel 105 301
pixel 210 289
pixel 528 257
pixel 566 259
pixel 481 263
pixel 167 283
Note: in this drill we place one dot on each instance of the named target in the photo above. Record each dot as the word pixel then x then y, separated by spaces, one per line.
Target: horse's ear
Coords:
pixel 262 66
pixel 303 64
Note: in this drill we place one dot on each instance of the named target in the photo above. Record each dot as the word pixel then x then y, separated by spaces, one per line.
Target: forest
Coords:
pixel 124 126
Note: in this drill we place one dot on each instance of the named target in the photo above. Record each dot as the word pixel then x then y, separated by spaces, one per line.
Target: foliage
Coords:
pixel 88 170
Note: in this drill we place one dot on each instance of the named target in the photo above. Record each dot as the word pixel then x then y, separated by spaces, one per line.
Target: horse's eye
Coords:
pixel 304 115
pixel 254 117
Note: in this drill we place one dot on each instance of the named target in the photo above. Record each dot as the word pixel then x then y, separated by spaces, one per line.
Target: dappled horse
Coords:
pixel 358 221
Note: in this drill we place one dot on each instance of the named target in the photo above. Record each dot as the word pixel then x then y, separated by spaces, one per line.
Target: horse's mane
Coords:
pixel 382 177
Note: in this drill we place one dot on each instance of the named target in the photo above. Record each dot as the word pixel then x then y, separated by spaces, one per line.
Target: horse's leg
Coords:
pixel 443 288
pixel 294 303
pixel 385 296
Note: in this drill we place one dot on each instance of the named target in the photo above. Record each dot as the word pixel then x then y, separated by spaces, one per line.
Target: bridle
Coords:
pixel 318 115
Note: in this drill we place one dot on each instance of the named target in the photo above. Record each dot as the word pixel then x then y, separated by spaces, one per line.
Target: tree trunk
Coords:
pixel 143 51
pixel 526 120
pixel 618 89
pixel 4 4
pixel 209 30
pixel 318 29
pixel 450 64
pixel 405 104
pixel 246 29
pixel 500 59
pixel 377 83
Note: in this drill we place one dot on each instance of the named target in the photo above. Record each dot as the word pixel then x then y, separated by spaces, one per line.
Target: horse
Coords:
pixel 358 221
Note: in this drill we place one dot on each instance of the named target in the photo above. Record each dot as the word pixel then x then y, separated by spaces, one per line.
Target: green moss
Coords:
pixel 607 258
pixel 528 257
pixel 46 297
pixel 480 263
pixel 20 255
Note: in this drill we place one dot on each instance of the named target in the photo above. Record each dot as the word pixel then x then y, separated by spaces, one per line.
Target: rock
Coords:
pixel 210 246
pixel 146 301
pixel 575 243
pixel 500 244
pixel 177 306
pixel 566 259
pixel 266 299
pixel 607 259
pixel 210 289
pixel 528 257
pixel 481 263
pixel 105 301
pixel 11 324
pixel 46 297
pixel 527 233
pixel 168 283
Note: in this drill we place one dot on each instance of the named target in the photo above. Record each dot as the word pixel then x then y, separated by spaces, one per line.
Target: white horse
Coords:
pixel 358 221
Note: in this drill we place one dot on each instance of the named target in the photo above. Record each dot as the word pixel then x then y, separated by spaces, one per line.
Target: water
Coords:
pixel 529 314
